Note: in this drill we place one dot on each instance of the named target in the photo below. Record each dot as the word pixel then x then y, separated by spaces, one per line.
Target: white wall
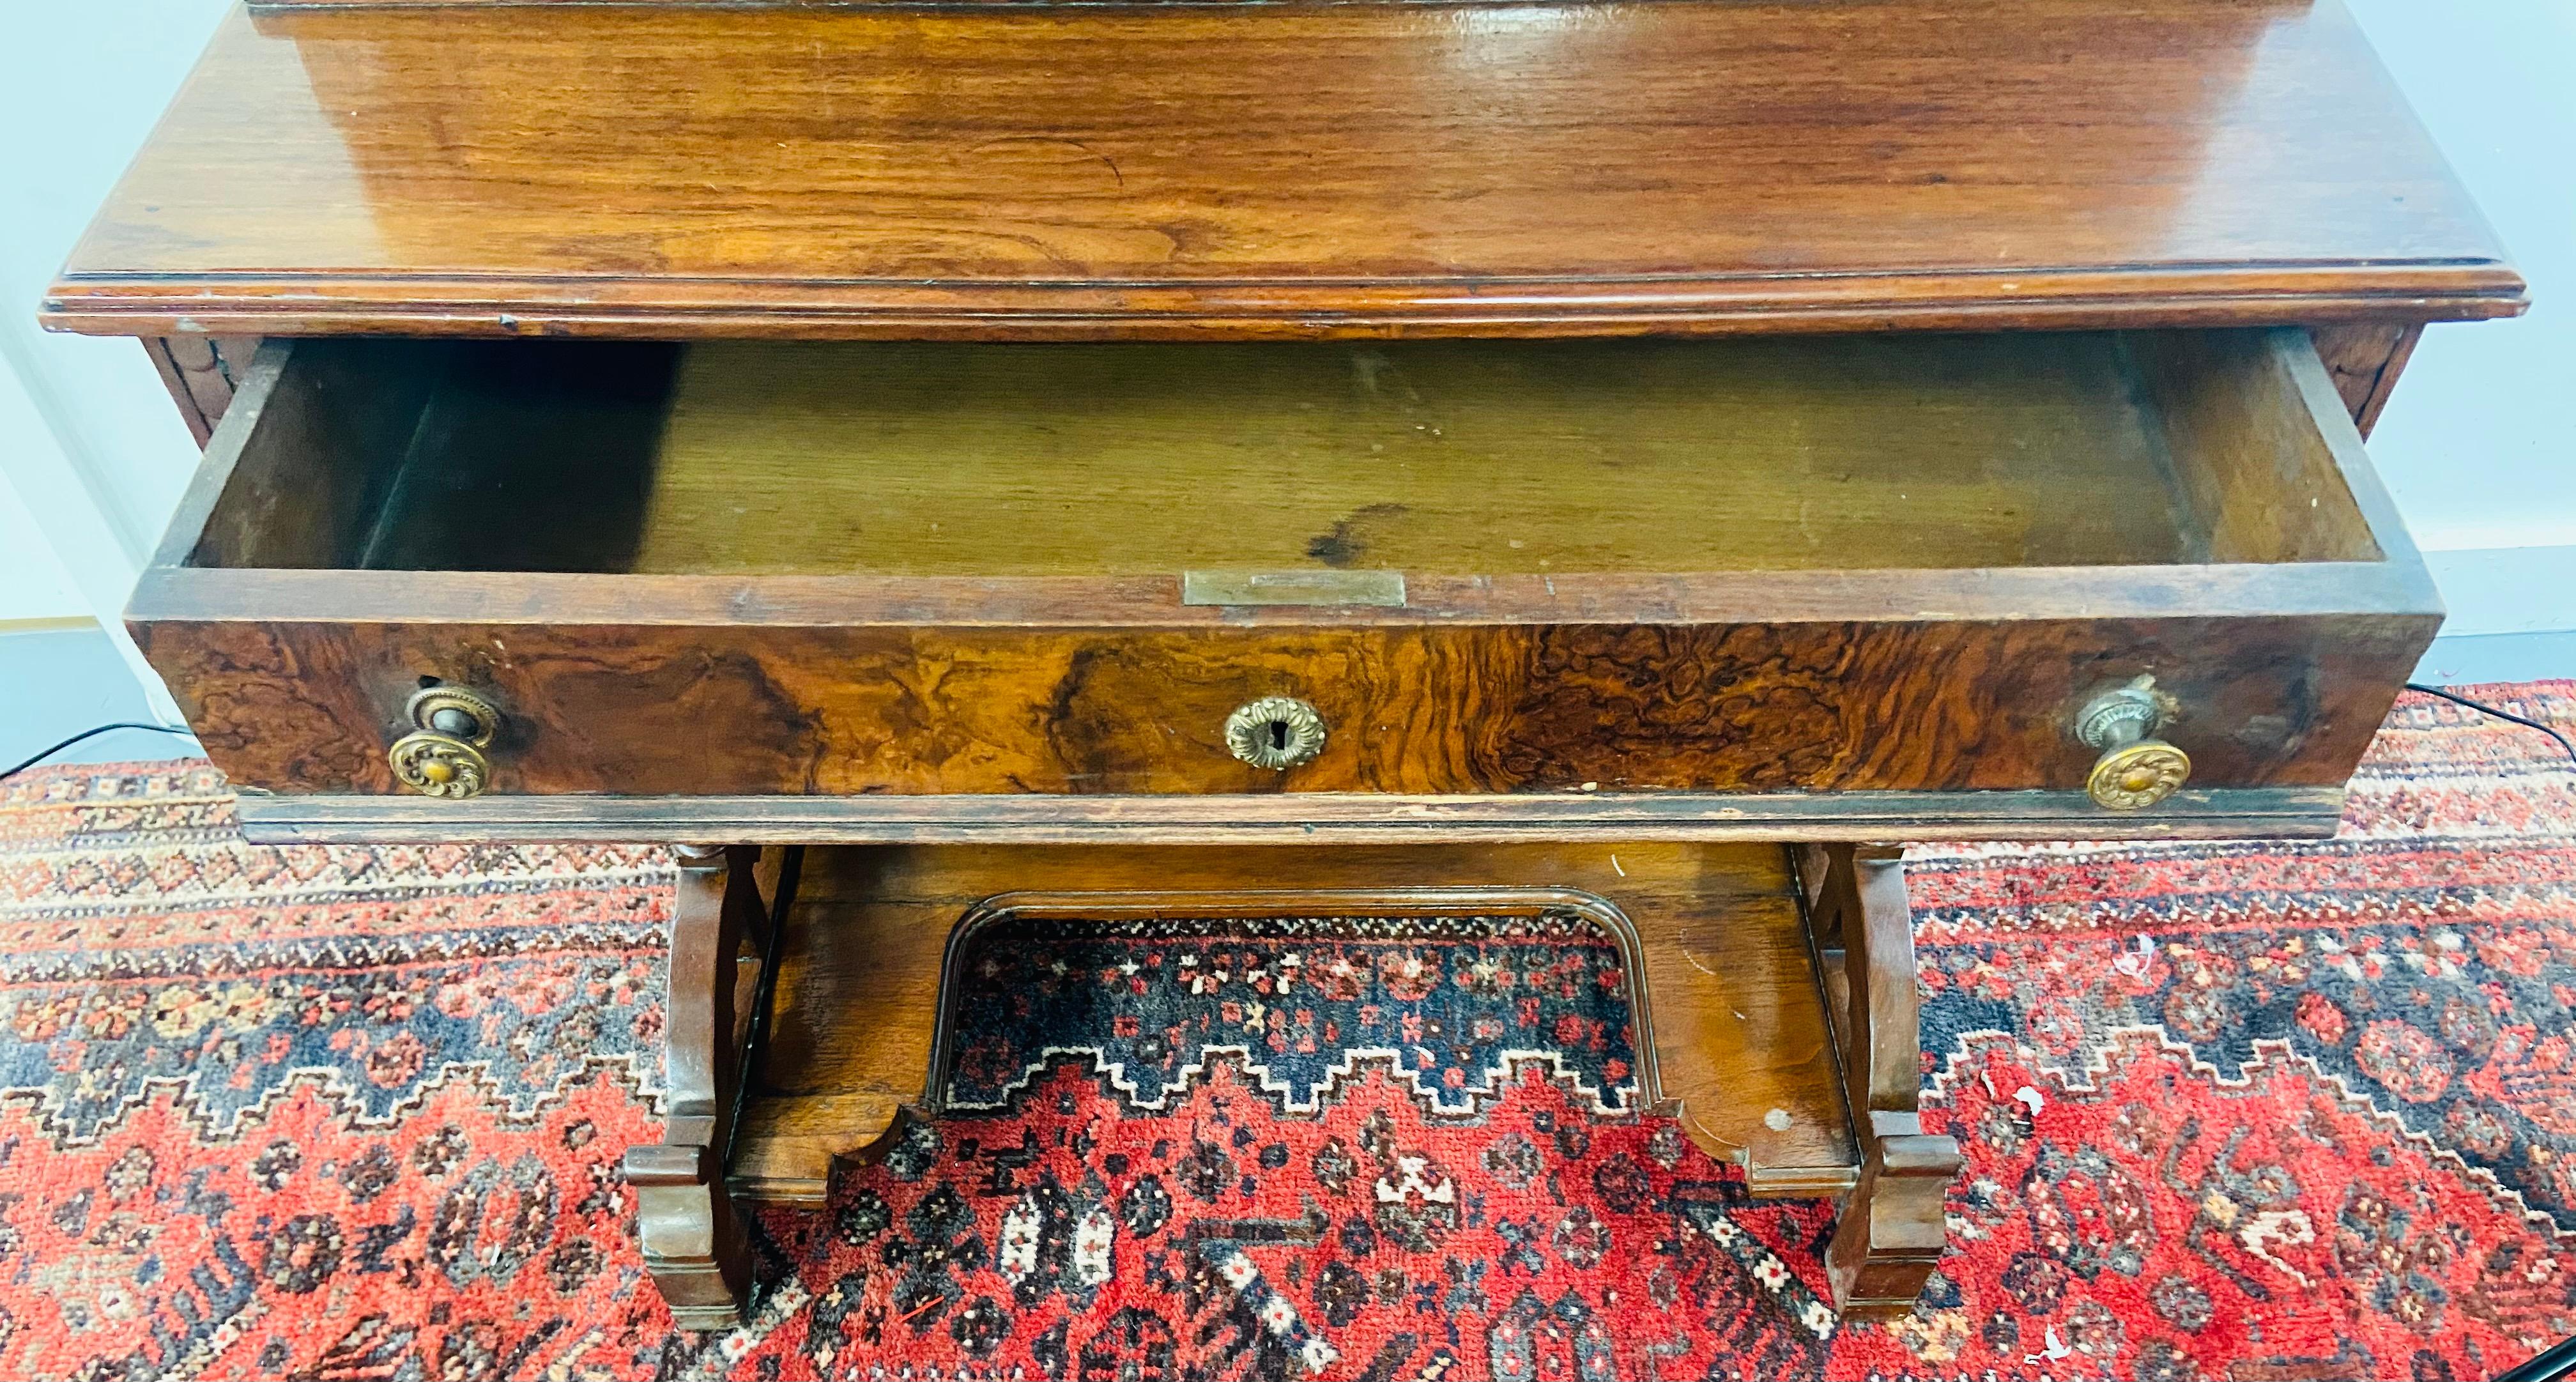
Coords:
pixel 2474 445
pixel 2477 444
pixel 90 445
pixel 35 591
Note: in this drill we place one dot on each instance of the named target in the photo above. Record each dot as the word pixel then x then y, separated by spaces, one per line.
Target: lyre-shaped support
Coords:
pixel 1893 1227
pixel 693 1240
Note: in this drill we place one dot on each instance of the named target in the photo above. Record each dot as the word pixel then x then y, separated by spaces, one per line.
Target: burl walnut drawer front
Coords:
pixel 2141 581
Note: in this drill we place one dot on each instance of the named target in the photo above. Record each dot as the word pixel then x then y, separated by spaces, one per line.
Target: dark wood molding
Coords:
pixel 106 304
pixel 1352 818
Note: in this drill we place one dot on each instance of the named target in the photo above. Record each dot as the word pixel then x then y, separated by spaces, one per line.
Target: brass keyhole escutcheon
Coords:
pixel 443 755
pixel 1275 732
pixel 2135 770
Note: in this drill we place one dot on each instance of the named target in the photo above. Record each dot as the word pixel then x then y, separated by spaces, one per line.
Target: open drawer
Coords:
pixel 1816 587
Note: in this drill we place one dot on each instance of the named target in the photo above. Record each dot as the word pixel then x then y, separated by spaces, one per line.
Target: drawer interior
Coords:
pixel 1466 457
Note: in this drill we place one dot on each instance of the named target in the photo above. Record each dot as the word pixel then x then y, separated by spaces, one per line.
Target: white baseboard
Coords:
pixel 2513 615
pixel 2499 657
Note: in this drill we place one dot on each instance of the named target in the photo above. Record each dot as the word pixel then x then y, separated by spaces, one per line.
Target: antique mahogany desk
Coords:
pixel 1628 460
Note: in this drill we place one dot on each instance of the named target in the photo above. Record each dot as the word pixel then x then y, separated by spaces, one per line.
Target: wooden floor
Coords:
pixel 1741 1048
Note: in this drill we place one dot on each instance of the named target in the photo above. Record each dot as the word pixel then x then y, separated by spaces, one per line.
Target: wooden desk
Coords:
pixel 1371 459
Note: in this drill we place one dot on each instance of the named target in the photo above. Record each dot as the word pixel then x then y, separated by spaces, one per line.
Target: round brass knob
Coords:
pixel 2135 770
pixel 435 765
pixel 1275 732
pixel 2137 775
pixel 443 755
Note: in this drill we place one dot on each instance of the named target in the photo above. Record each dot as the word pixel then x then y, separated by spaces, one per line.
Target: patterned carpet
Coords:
pixel 2230 1112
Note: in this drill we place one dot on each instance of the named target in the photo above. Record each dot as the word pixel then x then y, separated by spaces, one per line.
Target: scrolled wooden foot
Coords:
pixel 693 1240
pixel 1893 1227
pixel 694 1247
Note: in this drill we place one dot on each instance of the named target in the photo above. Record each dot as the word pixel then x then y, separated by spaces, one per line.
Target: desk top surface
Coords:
pixel 676 171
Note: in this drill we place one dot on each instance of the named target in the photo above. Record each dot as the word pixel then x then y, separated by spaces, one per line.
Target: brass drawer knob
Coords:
pixel 443 755
pixel 1275 732
pixel 2136 770
pixel 435 765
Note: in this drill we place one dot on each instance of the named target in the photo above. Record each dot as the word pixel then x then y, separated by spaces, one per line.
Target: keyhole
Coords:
pixel 1274 733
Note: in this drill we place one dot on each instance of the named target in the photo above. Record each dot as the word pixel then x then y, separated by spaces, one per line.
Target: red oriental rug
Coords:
pixel 2249 1111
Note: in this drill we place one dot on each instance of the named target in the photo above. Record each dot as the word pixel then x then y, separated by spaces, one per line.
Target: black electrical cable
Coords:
pixel 43 754
pixel 2506 715
pixel 764 990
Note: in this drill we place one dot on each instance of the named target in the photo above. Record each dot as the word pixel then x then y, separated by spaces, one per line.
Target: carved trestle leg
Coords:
pixel 1892 1229
pixel 693 1240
